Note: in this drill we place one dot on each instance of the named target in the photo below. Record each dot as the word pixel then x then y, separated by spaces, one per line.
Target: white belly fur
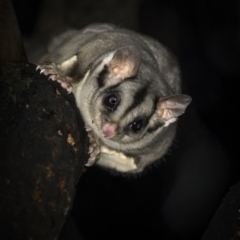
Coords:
pixel 116 160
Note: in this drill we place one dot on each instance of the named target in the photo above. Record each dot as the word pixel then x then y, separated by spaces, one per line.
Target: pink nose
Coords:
pixel 109 130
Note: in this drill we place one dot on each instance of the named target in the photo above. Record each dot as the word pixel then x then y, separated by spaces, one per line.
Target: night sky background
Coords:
pixel 175 198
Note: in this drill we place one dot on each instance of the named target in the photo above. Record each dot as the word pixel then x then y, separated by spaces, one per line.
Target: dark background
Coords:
pixel 205 37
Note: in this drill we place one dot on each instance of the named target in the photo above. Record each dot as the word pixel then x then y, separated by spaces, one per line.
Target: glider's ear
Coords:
pixel 125 63
pixel 172 106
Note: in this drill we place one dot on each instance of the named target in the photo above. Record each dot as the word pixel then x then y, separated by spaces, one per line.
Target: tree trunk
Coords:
pixel 43 143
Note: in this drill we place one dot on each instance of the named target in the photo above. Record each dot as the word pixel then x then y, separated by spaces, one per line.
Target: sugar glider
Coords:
pixel 127 87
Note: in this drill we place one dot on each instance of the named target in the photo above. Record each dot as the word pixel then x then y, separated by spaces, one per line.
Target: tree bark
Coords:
pixel 43 143
pixel 43 150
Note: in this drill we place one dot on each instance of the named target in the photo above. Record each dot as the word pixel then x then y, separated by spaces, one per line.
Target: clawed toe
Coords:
pixel 94 149
pixel 52 70
pixel 47 69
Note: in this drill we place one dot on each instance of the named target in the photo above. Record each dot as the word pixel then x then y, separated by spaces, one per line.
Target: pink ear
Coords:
pixel 172 106
pixel 125 62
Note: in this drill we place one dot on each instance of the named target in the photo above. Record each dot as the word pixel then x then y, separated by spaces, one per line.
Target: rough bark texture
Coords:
pixel 36 157
pixel 42 150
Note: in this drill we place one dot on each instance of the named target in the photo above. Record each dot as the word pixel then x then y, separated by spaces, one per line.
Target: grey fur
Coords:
pixel 143 77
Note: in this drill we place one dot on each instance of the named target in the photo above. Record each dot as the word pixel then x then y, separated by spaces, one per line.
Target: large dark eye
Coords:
pixel 136 125
pixel 110 101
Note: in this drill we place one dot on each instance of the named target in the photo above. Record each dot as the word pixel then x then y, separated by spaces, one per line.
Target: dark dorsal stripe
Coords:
pixel 138 98
pixel 157 124
pixel 155 127
pixel 102 76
